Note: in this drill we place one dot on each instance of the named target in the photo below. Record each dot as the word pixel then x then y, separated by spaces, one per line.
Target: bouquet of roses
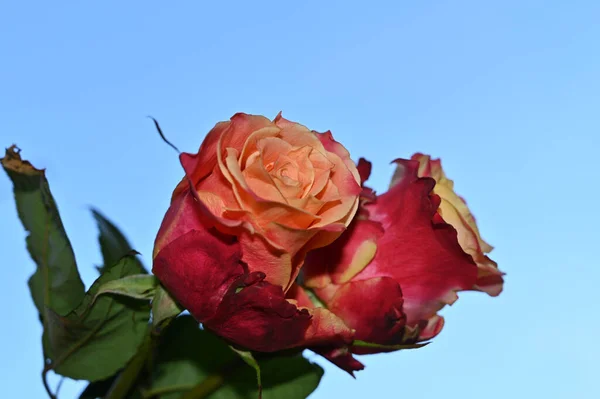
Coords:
pixel 273 244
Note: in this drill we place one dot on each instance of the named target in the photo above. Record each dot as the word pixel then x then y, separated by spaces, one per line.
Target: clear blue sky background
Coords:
pixel 506 92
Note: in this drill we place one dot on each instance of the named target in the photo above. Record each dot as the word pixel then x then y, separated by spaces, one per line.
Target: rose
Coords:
pixel 454 211
pixel 394 268
pixel 257 196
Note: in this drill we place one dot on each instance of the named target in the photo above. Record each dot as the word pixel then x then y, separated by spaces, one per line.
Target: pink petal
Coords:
pixel 373 308
pixel 418 250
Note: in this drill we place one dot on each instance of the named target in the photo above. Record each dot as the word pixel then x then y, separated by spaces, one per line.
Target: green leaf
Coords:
pixel 291 377
pixel 113 243
pixel 249 359
pixel 123 386
pixel 138 286
pixel 56 283
pixel 363 344
pixel 99 337
pixel 189 356
pixel 164 307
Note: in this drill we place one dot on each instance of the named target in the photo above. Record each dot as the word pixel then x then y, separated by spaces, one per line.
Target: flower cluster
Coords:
pixel 273 241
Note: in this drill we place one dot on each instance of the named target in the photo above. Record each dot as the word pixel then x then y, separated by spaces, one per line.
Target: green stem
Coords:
pixel 314 298
pixel 209 385
pixel 168 389
pixel 143 357
pixel 130 373
pixel 214 381
pixel 45 381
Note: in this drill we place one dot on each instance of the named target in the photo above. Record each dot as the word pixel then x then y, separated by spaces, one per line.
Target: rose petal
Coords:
pixel 338 212
pixel 364 169
pixel 306 171
pixel 213 209
pixel 322 167
pixel 373 308
pixel 242 127
pixel 286 176
pixel 265 211
pixel 333 146
pixel 252 142
pixel 216 184
pixel 203 271
pixel 455 211
pixel 309 204
pixel 338 355
pixel 422 255
pixel 259 318
pixel 296 242
pixel 259 255
pixel 341 357
pixel 432 327
pixel 344 184
pixel 261 182
pixel 298 135
pixel 344 258
pixel 327 327
pixel 202 163
pixel 198 268
pixel 181 217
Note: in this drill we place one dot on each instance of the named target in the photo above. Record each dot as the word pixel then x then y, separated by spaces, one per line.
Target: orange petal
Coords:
pixel 261 182
pixel 251 144
pixel 333 146
pixel 298 135
pixel 260 256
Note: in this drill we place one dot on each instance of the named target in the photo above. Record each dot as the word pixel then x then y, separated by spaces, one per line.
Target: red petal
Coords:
pixel 183 215
pixel 373 307
pixel 324 324
pixel 298 294
pixel 364 169
pixel 342 260
pixel 421 254
pixel 202 269
pixel 199 165
pixel 198 269
pixel 430 328
pixel 202 163
pixel 259 255
pixel 203 172
pixel 455 211
pixel 259 318
pixel 351 180
pixel 341 357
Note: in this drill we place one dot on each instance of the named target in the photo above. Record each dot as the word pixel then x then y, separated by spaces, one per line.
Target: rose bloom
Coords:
pixel 256 197
pixel 400 262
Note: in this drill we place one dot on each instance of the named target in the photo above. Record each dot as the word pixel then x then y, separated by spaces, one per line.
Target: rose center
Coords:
pixel 286 176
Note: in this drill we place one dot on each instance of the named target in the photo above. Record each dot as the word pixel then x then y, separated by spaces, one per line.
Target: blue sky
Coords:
pixel 506 92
